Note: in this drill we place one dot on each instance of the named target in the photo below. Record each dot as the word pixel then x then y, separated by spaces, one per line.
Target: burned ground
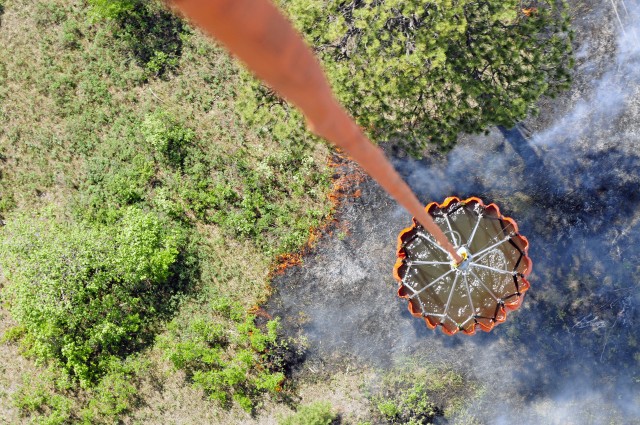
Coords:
pixel 570 178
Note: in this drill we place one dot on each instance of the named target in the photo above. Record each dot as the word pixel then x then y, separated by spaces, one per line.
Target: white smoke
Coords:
pixel 570 178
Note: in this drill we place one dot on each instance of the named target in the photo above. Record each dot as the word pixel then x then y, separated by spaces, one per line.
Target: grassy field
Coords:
pixel 104 115
pixel 143 209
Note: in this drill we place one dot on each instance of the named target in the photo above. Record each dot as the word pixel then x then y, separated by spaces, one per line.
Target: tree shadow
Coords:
pixel 582 225
pixel 516 138
pixel 153 36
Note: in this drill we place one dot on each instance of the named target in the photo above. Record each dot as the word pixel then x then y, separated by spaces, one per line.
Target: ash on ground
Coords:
pixel 571 179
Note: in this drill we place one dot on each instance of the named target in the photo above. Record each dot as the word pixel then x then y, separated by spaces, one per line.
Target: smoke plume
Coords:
pixel 571 179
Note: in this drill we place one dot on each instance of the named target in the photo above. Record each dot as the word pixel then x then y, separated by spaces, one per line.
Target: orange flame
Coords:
pixel 346 180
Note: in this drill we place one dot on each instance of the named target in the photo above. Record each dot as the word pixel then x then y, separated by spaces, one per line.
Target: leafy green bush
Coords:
pixel 318 413
pixel 167 138
pixel 113 183
pixel 226 354
pixel 50 396
pixel 87 294
pixel 423 71
pixel 7 202
pixel 417 396
pixel 115 393
pixel 112 9
pixel 260 201
pixel 411 406
pixel 40 397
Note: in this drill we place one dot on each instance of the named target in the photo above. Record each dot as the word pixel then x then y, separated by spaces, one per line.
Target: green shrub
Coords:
pixel 411 406
pixel 417 396
pixel 389 409
pixel 41 398
pixel 71 34
pixel 259 200
pixel 51 397
pixel 166 137
pixel 318 413
pixel 226 354
pixel 7 202
pixel 87 294
pixel 159 61
pixel 111 184
pixel 112 9
pixel 116 392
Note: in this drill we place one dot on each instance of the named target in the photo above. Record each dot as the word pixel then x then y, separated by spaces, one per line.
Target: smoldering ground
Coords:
pixel 571 178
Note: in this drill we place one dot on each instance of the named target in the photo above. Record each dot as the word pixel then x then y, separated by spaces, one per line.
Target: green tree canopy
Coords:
pixel 422 71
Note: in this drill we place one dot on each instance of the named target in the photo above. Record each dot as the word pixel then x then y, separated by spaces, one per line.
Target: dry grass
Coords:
pixel 49 131
pixel 168 401
pixel 26 115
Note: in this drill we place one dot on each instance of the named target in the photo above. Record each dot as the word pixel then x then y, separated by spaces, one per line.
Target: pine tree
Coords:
pixel 421 71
